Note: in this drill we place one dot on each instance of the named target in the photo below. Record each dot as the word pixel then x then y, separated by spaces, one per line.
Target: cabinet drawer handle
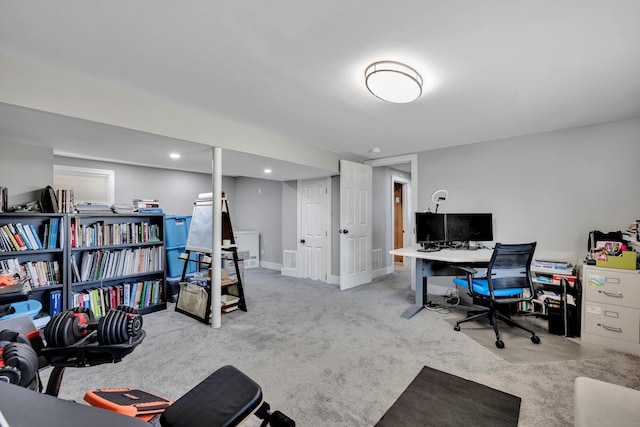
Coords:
pixel 610 329
pixel 612 294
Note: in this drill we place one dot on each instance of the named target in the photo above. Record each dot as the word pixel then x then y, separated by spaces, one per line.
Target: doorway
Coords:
pixel 313 225
pixel 408 164
pixel 398 219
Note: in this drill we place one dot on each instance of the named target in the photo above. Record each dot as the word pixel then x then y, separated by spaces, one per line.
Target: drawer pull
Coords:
pixel 612 294
pixel 611 329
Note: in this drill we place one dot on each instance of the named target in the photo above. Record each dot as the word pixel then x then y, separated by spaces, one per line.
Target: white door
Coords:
pixel 355 224
pixel 314 229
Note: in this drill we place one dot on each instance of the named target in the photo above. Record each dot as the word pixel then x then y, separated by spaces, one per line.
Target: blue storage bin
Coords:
pixel 175 264
pixel 176 230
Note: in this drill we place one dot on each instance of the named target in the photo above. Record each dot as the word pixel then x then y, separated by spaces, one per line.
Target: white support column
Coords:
pixel 216 227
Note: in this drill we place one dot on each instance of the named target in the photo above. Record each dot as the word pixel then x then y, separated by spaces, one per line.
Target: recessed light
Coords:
pixel 174 155
pixel 267 171
pixel 374 150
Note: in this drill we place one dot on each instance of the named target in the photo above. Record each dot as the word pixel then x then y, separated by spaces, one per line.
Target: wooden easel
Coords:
pixel 203 254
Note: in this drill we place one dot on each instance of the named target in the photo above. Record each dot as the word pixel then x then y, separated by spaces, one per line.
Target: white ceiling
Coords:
pixel 493 69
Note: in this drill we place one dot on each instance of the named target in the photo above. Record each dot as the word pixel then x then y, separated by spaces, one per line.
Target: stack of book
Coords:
pixel 123 208
pixel 552 265
pixel 93 208
pixel 147 206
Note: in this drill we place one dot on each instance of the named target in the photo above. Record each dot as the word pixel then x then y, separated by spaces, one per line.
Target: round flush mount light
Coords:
pixel 174 155
pixel 393 81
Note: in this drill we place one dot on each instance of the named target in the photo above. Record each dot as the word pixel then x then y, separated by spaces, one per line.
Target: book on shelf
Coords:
pixel 66 201
pixel 36 237
pixel 10 239
pixel 552 265
pixel 55 302
pixel 15 238
pixel 23 235
pixel 53 230
pixel 102 299
pixel 4 195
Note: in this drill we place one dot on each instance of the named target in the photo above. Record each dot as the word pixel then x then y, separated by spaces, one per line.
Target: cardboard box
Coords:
pixel 627 261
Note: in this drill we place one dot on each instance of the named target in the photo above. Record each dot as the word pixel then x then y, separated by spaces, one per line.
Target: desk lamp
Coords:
pixel 439 196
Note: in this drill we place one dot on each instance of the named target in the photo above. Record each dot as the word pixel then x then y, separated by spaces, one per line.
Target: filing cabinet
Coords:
pixel 611 308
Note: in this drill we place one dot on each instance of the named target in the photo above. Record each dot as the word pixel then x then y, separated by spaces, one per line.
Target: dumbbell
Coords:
pixel 18 364
pixel 69 327
pixel 119 325
pixel 116 327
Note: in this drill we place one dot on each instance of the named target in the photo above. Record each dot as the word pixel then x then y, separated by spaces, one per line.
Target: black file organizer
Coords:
pixel 564 319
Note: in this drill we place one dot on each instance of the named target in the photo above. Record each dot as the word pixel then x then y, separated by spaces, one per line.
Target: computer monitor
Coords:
pixel 430 228
pixel 469 227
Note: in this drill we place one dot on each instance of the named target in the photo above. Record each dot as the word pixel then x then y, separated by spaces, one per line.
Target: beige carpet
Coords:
pixel 518 347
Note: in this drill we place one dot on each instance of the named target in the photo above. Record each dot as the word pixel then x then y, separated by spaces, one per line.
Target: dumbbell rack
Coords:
pixel 85 352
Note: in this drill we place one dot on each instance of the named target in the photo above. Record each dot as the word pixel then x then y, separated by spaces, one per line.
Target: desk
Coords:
pixel 440 263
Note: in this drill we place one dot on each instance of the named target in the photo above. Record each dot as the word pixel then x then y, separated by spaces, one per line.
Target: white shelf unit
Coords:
pixel 248 244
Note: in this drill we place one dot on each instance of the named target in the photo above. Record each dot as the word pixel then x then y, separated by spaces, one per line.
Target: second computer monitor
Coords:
pixel 430 228
pixel 469 227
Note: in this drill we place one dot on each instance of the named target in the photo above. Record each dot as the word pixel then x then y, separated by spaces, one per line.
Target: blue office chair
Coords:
pixel 507 282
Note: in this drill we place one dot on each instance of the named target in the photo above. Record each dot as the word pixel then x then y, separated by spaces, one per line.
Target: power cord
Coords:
pixel 442 304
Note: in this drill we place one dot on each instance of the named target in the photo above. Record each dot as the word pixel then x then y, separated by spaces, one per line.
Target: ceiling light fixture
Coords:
pixel 174 155
pixel 394 82
pixel 267 171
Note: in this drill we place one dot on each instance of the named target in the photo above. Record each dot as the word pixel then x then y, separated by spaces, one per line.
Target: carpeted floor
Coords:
pixel 518 346
pixel 339 358
pixel 438 399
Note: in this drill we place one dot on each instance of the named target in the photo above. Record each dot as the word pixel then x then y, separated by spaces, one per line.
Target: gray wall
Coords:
pixel 258 206
pixel 290 216
pixel 25 170
pixel 334 237
pixel 176 190
pixel 382 236
pixel 552 188
pixel 380 213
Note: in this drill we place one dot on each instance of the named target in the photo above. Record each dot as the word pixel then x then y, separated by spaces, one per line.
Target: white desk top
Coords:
pixel 446 255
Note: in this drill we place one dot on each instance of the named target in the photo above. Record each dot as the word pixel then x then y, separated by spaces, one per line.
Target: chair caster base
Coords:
pixel 535 339
pixel 499 344
pixel 456 328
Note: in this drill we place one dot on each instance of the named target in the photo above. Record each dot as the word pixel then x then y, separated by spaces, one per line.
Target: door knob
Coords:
pixel 302 241
pixel 343 231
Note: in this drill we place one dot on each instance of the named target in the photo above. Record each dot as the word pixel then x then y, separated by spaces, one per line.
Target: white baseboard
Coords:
pixel 271 265
pixel 381 272
pixel 292 272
